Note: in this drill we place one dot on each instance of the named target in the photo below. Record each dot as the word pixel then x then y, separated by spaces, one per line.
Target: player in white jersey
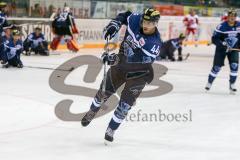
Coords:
pixel 191 22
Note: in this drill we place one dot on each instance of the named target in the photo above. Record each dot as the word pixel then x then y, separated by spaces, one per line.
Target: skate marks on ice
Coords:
pixel 57 83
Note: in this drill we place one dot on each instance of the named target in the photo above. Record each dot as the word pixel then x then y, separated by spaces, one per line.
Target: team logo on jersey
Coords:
pixel 231 41
pixel 232 34
pixel 141 41
pixel 130 42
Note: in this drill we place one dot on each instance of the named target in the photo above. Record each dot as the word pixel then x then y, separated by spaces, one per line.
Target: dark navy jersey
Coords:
pixel 171 45
pixel 139 48
pixel 3 21
pixel 5 38
pixel 12 49
pixel 36 40
pixel 64 19
pixel 226 33
pixel 176 43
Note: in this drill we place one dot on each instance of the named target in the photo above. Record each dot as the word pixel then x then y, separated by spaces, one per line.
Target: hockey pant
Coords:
pixel 134 76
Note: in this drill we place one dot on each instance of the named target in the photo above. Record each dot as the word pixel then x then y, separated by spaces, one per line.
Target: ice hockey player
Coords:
pixel 3 17
pixel 132 66
pixel 191 21
pixel 226 38
pixel 12 50
pixel 3 24
pixel 64 26
pixel 36 42
pixel 6 35
pixel 170 46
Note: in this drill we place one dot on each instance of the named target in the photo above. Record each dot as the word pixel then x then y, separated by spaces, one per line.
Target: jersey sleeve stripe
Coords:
pixel 227 32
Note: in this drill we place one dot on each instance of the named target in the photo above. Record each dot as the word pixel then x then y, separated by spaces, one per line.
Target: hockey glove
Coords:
pixel 111 29
pixel 111 59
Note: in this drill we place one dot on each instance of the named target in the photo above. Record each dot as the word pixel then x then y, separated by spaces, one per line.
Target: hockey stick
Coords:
pixel 233 49
pixel 54 69
pixel 105 70
pixel 186 57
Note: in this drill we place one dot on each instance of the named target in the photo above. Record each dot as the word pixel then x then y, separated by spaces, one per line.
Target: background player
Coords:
pixel 225 37
pixel 6 36
pixel 12 50
pixel 170 46
pixel 3 24
pixel 191 22
pixel 36 42
pixel 3 17
pixel 64 26
pixel 140 47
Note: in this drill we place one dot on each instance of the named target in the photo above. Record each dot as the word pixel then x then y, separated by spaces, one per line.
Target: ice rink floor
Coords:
pixel 30 130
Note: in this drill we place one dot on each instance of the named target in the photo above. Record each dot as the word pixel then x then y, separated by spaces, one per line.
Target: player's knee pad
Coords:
pixel 55 42
pixel 72 45
pixel 216 69
pixel 122 110
pixel 233 72
pixel 234 66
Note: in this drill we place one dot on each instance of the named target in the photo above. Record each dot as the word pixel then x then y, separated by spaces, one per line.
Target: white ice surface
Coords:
pixel 29 129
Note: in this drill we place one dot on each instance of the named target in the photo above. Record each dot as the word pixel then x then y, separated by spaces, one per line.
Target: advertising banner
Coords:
pixel 174 10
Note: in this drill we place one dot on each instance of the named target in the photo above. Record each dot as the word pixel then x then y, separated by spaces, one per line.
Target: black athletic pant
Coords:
pixel 135 76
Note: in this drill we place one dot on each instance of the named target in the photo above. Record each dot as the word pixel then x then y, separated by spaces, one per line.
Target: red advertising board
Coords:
pixel 170 10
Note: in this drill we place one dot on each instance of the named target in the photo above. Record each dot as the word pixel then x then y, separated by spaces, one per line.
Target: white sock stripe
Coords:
pixel 96 104
pixel 213 74
pixel 116 119
pixel 233 74
pixel 95 99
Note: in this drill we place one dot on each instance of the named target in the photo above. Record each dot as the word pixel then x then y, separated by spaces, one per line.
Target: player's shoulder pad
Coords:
pixel 31 35
pixel 129 13
pixel 134 15
pixel 221 26
pixel 134 19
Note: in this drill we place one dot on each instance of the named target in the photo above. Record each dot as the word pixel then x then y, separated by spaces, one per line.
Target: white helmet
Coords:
pixel 66 9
